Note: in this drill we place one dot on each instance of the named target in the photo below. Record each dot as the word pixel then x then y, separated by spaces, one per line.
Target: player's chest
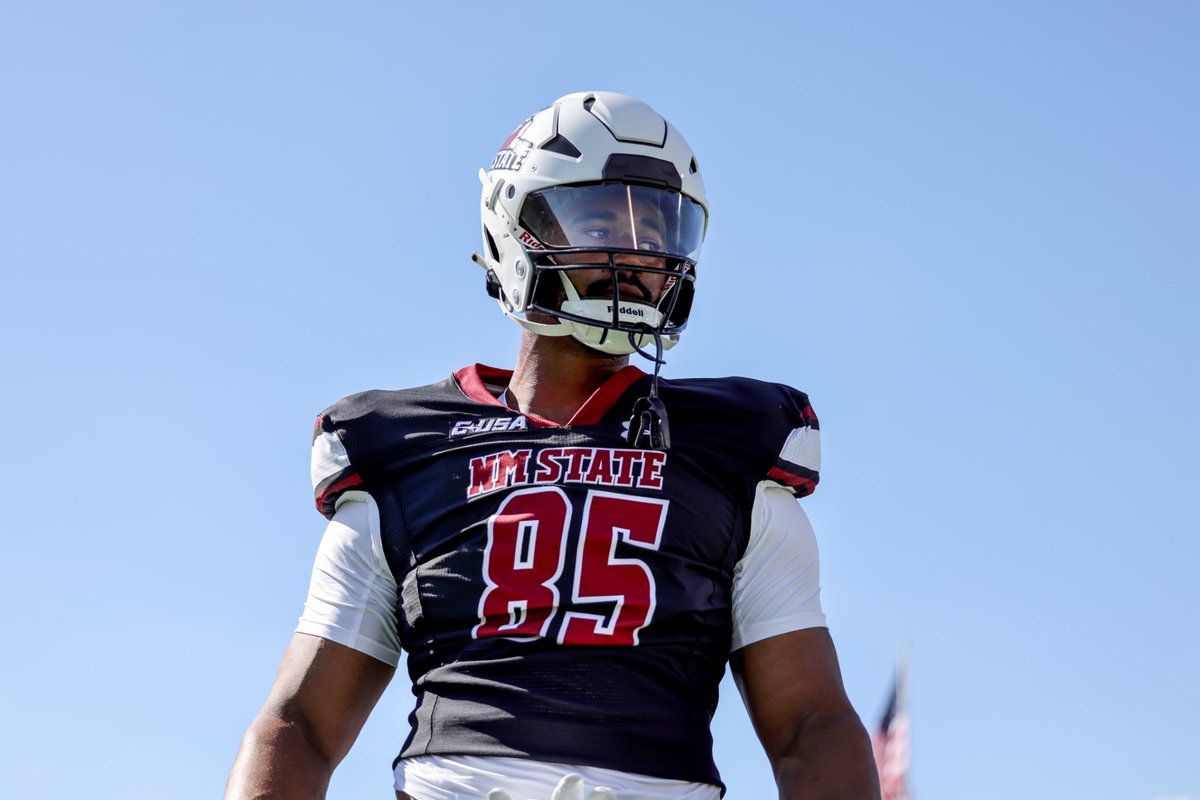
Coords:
pixel 577 480
pixel 558 524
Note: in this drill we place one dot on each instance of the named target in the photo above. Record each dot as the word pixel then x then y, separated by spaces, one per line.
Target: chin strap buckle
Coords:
pixel 648 427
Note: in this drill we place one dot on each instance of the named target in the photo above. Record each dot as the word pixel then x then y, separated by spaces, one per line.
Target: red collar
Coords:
pixel 473 381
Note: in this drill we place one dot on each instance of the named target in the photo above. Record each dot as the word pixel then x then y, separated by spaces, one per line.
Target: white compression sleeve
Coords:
pixel 352 595
pixel 777 583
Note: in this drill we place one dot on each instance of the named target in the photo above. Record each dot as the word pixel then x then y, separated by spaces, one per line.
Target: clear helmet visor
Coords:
pixel 607 216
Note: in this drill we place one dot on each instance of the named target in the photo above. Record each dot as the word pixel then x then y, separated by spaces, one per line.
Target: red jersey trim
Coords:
pixel 473 379
pixel 345 483
pixel 797 482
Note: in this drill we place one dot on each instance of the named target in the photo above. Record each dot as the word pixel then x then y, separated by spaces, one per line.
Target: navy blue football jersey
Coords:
pixel 565 596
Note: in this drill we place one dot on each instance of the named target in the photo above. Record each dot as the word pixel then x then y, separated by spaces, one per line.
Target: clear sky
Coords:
pixel 970 231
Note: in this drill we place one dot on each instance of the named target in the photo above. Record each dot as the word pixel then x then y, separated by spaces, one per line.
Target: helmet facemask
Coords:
pixel 614 262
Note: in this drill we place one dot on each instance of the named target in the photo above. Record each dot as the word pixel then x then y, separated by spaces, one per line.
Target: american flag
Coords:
pixel 891 742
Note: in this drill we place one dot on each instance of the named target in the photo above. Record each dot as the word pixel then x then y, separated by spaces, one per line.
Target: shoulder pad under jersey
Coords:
pixel 364 432
pixel 769 429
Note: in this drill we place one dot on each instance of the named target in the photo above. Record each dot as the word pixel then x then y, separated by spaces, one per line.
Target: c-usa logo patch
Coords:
pixel 488 425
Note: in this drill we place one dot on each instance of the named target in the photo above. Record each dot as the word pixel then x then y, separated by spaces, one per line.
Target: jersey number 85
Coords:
pixel 526 552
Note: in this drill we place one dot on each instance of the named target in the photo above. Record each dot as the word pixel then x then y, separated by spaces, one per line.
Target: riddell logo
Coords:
pixel 488 425
pixel 530 242
pixel 630 311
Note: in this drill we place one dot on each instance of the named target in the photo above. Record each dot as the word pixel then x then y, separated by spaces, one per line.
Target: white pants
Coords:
pixel 480 778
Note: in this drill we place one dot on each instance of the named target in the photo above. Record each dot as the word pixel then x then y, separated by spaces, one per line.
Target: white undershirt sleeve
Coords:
pixel 352 595
pixel 777 583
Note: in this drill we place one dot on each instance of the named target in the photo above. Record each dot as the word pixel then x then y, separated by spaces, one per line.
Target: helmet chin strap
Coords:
pixel 648 427
pixel 541 328
pixel 599 322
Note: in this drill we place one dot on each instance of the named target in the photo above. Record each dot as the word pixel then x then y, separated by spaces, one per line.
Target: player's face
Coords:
pixel 616 222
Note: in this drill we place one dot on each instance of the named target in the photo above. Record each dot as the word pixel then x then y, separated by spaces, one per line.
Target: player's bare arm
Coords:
pixel 322 695
pixel 792 687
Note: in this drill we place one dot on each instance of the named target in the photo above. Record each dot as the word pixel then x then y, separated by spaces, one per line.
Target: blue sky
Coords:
pixel 970 231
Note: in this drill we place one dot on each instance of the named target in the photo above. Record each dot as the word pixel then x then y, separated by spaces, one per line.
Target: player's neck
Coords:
pixel 554 376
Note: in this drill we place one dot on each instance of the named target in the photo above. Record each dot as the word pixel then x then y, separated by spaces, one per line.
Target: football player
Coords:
pixel 571 552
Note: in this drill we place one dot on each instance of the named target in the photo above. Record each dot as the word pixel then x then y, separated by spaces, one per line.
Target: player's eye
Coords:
pixel 650 244
pixel 599 234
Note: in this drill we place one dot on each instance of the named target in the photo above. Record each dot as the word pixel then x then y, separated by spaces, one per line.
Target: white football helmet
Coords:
pixel 599 185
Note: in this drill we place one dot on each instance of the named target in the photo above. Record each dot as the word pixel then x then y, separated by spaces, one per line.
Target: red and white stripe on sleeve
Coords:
pixel 331 470
pixel 798 465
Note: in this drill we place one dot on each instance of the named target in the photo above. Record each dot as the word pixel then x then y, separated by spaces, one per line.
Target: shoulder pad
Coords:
pixel 797 463
pixel 362 434
pixel 331 470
